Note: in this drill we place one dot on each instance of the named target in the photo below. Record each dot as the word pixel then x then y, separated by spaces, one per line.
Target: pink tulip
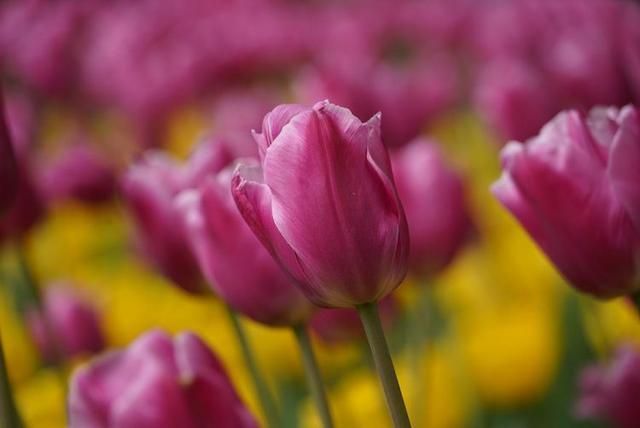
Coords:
pixel 235 263
pixel 612 392
pixel 433 198
pixel 149 190
pixel 81 172
pixel 67 327
pixel 325 204
pixel 156 382
pixel 575 189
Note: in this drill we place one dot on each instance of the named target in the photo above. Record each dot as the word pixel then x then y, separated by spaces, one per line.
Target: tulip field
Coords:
pixel 306 214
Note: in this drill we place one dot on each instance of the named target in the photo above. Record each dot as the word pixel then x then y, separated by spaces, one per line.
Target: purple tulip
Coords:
pixel 432 195
pixel 325 204
pixel 612 392
pixel 342 325
pixel 575 189
pixel 149 189
pixel 235 263
pixel 68 325
pixel 80 172
pixel 157 382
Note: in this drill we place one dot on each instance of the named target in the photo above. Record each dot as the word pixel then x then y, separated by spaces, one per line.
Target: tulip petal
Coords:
pixel 624 164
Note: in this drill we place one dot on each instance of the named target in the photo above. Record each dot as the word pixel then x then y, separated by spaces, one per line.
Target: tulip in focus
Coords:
pixel 149 189
pixel 433 198
pixel 68 326
pixel 157 382
pixel 612 393
pixel 234 261
pixel 575 189
pixel 325 204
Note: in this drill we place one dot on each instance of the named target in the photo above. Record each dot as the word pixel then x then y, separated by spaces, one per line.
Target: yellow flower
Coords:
pixel 41 400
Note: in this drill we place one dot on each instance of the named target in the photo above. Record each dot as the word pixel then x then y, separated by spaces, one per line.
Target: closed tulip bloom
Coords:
pixel 433 198
pixel 326 205
pixel 156 382
pixel 149 189
pixel 575 189
pixel 80 172
pixel 612 392
pixel 68 325
pixel 235 263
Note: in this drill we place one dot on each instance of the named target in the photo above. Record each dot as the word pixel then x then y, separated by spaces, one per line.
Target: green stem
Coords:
pixel 9 417
pixel 635 299
pixel 266 400
pixel 312 372
pixel 384 365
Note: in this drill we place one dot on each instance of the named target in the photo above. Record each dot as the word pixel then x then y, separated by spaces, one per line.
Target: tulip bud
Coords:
pixel 612 393
pixel 325 204
pixel 68 326
pixel 235 263
pixel 81 173
pixel 156 382
pixel 432 195
pixel 344 325
pixel 575 189
pixel 149 190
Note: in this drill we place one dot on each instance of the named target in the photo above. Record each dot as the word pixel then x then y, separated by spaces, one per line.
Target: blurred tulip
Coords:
pixel 343 325
pixel 432 195
pixel 156 382
pixel 327 207
pixel 81 173
pixel 8 165
pixel 512 97
pixel 612 392
pixel 574 188
pixel 235 263
pixel 67 327
pixel 149 189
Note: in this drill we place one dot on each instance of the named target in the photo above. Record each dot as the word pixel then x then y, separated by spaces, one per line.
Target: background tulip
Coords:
pixel 433 198
pixel 157 382
pixel 149 189
pixel 611 392
pixel 574 188
pixel 235 263
pixel 68 325
pixel 8 166
pixel 327 208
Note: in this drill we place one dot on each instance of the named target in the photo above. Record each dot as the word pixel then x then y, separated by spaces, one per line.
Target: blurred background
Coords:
pixel 90 85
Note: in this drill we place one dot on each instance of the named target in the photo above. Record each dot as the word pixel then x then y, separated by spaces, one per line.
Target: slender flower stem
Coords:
pixel 312 372
pixel 266 400
pixel 384 365
pixel 9 417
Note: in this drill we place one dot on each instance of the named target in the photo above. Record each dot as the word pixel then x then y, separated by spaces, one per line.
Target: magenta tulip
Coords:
pixel 68 325
pixel 81 172
pixel 235 263
pixel 149 189
pixel 157 382
pixel 612 392
pixel 432 195
pixel 575 189
pixel 325 204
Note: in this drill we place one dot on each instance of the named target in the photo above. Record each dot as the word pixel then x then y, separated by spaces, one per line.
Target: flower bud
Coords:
pixel 325 204
pixel 432 195
pixel 575 189
pixel 68 326
pixel 156 382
